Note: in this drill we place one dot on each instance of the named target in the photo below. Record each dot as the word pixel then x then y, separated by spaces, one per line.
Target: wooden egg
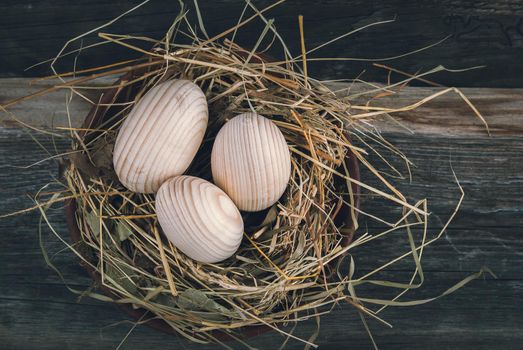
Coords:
pixel 160 136
pixel 251 161
pixel 199 218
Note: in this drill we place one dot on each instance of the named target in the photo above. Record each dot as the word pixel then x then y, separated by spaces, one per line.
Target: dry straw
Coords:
pixel 294 263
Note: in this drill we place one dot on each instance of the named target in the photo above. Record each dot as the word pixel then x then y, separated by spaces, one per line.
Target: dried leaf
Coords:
pixel 103 155
pixel 273 243
pixel 166 300
pixel 300 246
pixel 247 260
pixel 271 216
pixel 82 163
pixel 195 300
pixel 123 230
pixel 121 276
pixel 258 220
pixel 93 221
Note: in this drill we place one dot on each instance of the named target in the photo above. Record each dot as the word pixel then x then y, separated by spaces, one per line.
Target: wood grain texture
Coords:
pixel 160 136
pixel 41 112
pixel 483 32
pixel 251 161
pixel 199 218
pixel 39 312
pixel 446 115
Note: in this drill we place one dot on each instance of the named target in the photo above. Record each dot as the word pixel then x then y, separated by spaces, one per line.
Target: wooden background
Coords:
pixel 481 33
pixel 38 312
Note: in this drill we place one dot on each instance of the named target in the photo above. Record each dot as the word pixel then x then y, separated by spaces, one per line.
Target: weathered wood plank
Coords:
pixel 481 33
pixel 39 312
pixel 449 114
pixel 41 111
pixel 446 115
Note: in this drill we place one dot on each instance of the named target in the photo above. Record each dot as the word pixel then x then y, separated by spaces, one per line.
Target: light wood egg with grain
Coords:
pixel 199 218
pixel 251 161
pixel 160 136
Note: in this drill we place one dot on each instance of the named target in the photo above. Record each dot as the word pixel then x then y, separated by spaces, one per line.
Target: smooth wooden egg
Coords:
pixel 251 161
pixel 199 218
pixel 161 135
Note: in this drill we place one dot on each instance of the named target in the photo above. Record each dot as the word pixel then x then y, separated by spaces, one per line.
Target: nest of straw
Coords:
pixel 286 264
pixel 292 264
